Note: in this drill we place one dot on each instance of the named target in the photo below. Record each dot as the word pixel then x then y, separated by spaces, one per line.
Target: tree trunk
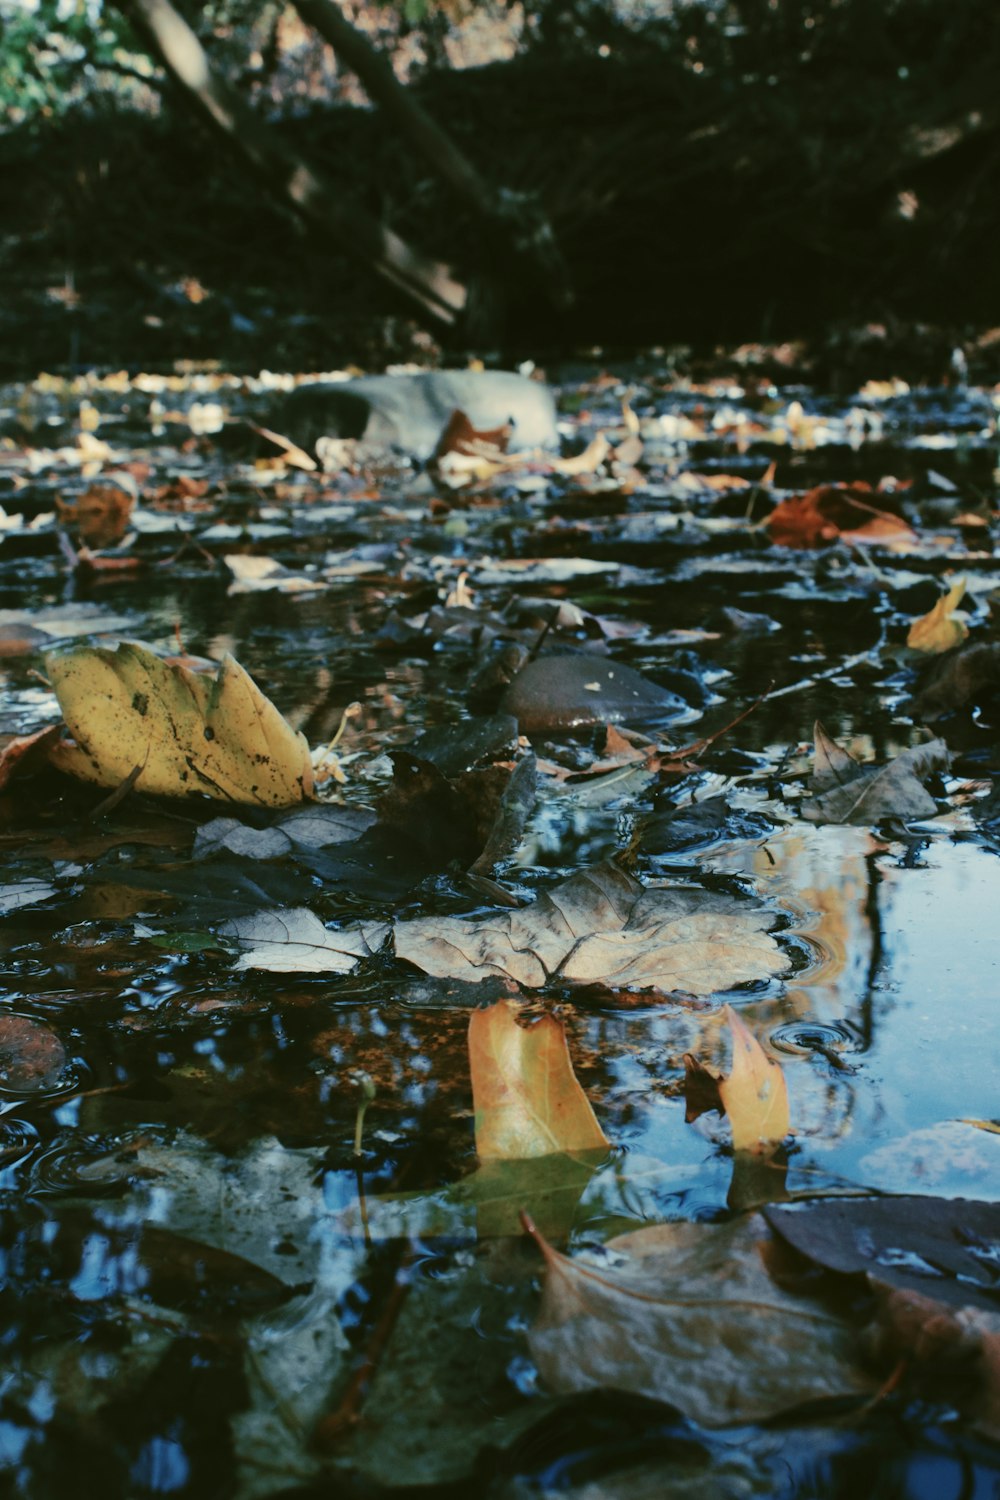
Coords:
pixel 427 282
pixel 520 216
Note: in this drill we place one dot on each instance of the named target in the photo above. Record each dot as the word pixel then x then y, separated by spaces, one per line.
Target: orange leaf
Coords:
pixel 829 511
pixel 754 1095
pixel 101 514
pixel 526 1096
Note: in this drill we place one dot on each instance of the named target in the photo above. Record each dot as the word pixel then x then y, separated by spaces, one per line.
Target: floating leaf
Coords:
pixel 831 511
pixel 945 1248
pixel 754 1095
pixel 526 1096
pixel 189 734
pixel 943 626
pixel 688 1314
pixel 602 927
pixel 847 792
pixel 293 940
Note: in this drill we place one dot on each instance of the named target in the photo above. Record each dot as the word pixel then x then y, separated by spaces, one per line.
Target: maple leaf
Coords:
pixel 848 792
pixel 602 927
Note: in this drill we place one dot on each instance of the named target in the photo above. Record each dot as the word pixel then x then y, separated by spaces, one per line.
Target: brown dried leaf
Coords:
pixel 100 516
pixel 526 1097
pixel 851 793
pixel 828 512
pixel 682 1318
pixel 602 927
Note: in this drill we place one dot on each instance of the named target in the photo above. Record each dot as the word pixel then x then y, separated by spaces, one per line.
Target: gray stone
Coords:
pixel 408 413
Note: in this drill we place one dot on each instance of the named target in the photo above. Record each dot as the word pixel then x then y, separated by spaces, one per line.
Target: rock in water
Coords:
pixel 409 413
pixel 572 691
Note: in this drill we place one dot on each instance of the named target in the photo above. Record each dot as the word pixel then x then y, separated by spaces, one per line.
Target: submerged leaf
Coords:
pixel 187 733
pixel 602 927
pixel 526 1096
pixel 688 1314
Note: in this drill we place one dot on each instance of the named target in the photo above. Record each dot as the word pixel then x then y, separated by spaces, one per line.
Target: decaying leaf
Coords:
pixel 526 1096
pixel 943 626
pixel 687 1313
pixel 602 927
pixel 848 792
pixel 190 734
pixel 293 940
pixel 100 516
pixel 830 511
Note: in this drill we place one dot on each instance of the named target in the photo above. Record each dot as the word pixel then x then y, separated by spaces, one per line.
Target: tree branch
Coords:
pixel 426 281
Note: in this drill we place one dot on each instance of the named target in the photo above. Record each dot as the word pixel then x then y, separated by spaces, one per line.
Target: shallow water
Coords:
pixel 173 1097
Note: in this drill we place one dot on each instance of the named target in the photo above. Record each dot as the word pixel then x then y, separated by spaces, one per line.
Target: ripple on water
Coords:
pixel 829 1039
pixel 18 1138
pixel 91 1165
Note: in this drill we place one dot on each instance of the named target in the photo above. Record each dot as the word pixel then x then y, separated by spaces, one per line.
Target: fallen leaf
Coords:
pixel 602 927
pixel 828 512
pixel 30 892
pixel 943 626
pixel 293 940
pixel 32 1058
pixel 191 735
pixel 525 1094
pixel 687 1313
pixel 586 462
pixel 460 436
pixel 487 1204
pixel 945 1248
pixel 754 1095
pixel 968 678
pixel 847 792
pixel 100 516
pixel 27 753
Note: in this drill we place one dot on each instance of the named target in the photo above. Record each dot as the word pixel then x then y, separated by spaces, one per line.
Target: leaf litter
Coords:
pixel 719 557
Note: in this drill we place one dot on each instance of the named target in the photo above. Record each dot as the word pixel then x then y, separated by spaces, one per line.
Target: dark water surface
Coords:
pixel 204 1292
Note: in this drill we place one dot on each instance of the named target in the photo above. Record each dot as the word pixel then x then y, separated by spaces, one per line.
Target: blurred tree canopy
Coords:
pixel 655 163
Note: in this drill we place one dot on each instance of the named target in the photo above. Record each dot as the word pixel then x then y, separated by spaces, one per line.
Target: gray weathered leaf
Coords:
pixel 293 940
pixel 602 927
pixel 847 792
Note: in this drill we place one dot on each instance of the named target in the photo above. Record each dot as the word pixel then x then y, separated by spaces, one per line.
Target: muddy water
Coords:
pixel 359 1320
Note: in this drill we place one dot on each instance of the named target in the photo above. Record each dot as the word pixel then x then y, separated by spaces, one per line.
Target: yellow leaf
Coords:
pixel 586 462
pixel 943 626
pixel 526 1096
pixel 190 734
pixel 754 1095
